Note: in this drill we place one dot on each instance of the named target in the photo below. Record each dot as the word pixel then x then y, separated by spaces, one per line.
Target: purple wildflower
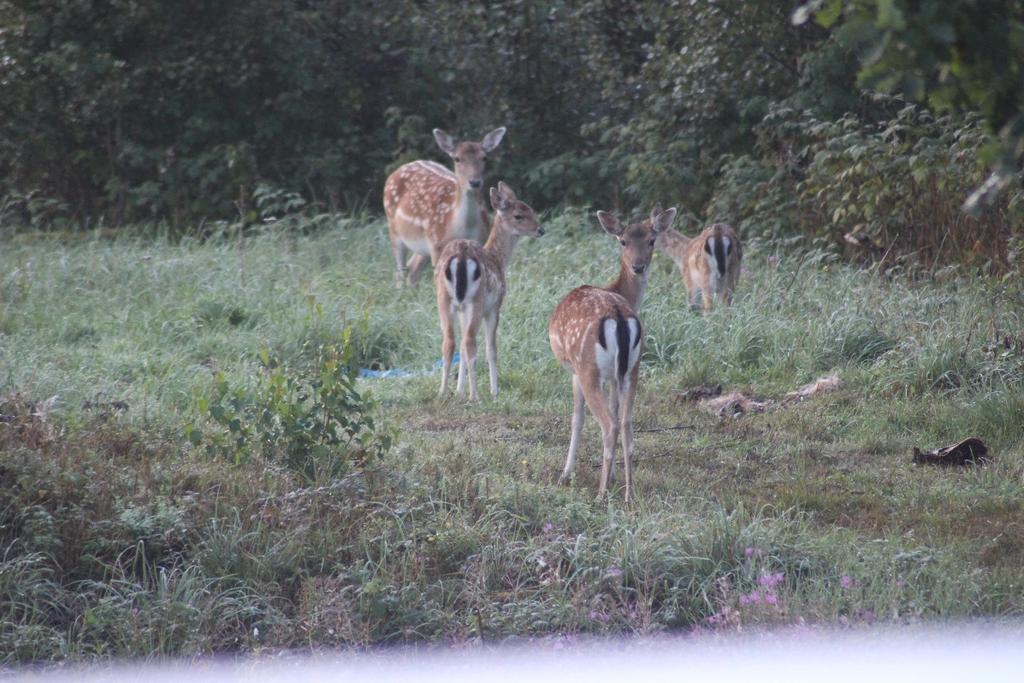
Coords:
pixel 548 527
pixel 771 599
pixel 751 598
pixel 614 573
pixel 771 580
pixel 846 581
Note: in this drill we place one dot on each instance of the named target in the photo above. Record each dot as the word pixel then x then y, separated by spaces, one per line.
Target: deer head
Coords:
pixel 516 214
pixel 469 157
pixel 637 239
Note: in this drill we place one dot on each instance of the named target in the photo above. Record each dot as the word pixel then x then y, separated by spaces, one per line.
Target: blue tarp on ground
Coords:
pixel 401 372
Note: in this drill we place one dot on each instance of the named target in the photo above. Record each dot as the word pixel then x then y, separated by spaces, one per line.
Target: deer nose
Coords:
pixel 639 268
pixel 540 231
pixel 475 184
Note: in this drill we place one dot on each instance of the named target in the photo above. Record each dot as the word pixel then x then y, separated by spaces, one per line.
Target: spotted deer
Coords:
pixel 596 335
pixel 428 205
pixel 709 262
pixel 470 281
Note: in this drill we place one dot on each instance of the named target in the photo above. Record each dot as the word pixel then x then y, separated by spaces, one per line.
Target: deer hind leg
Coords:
pixel 447 339
pixel 730 286
pixel 579 412
pixel 599 406
pixel 708 299
pixel 491 342
pixel 694 294
pixel 626 426
pixel 467 361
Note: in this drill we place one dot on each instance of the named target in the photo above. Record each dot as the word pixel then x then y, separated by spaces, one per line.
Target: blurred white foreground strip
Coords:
pixel 960 654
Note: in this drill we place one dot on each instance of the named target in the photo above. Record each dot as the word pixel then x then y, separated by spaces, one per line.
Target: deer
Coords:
pixel 709 262
pixel 470 282
pixel 428 205
pixel 596 335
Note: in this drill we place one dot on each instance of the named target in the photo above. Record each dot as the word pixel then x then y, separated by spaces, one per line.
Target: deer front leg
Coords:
pixel 578 413
pixel 415 268
pixel 401 253
pixel 491 342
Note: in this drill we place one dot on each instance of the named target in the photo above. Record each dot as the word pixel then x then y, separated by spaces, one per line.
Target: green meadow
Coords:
pixel 123 534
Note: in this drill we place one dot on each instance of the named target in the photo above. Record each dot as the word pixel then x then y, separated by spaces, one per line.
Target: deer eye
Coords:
pixel 622 242
pixel 652 243
pixel 519 216
pixel 457 159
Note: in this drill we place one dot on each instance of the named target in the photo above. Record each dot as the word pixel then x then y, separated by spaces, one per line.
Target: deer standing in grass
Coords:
pixel 470 281
pixel 596 334
pixel 709 262
pixel 427 205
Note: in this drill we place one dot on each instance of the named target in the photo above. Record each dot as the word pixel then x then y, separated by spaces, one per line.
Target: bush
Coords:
pixel 894 187
pixel 315 424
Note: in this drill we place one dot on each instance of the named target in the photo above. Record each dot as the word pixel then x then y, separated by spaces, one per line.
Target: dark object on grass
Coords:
pixel 698 393
pixel 967 452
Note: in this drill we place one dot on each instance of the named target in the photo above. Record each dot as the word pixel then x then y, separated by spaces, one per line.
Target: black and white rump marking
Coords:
pixel 462 276
pixel 718 249
pixel 618 339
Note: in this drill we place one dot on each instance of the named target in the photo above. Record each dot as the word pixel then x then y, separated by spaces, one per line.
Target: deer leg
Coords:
pixel 613 415
pixel 491 341
pixel 447 339
pixel 467 371
pixel 470 325
pixel 695 299
pixel 401 252
pixel 626 426
pixel 598 404
pixel 706 296
pixel 415 268
pixel 578 413
pixel 730 287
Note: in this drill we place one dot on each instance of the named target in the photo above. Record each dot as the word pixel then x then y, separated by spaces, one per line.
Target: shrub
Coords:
pixel 893 188
pixel 315 423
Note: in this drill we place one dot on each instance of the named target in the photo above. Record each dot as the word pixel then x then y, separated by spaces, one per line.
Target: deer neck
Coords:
pixel 672 242
pixel 630 286
pixel 466 215
pixel 502 241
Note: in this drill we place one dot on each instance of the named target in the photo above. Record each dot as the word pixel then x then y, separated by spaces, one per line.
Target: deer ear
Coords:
pixel 655 212
pixel 505 191
pixel 664 220
pixel 499 202
pixel 610 223
pixel 493 139
pixel 444 141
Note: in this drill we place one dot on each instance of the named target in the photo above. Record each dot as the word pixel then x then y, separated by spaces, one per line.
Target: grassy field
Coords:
pixel 117 537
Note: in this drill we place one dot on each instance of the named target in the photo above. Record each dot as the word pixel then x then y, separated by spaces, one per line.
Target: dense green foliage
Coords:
pixel 119 537
pixel 959 55
pixel 116 111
